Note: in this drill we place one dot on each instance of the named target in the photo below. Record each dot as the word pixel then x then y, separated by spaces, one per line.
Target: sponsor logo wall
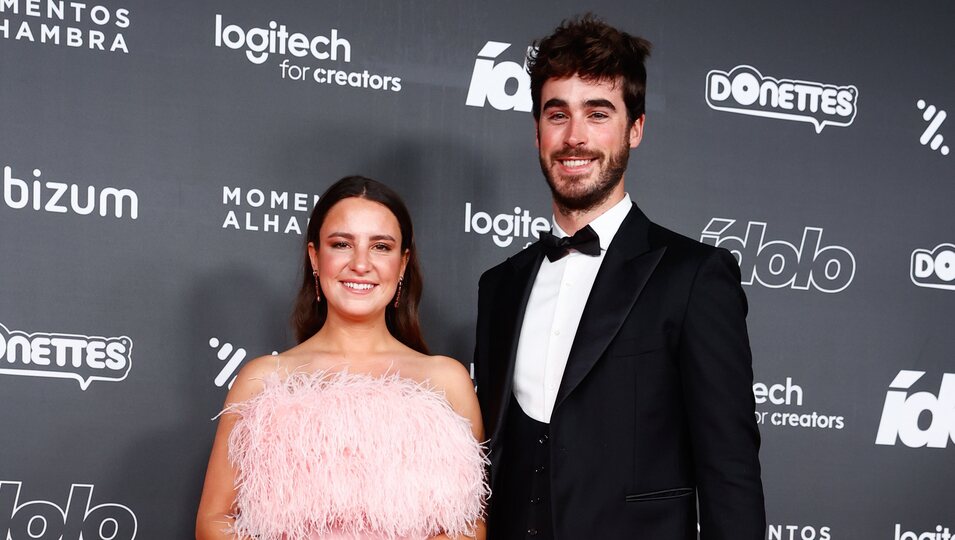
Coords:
pixel 159 165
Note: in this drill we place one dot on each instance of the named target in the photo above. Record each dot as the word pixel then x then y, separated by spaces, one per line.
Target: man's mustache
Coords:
pixel 579 153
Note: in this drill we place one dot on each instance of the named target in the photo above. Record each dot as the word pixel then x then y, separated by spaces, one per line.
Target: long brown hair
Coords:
pixel 308 315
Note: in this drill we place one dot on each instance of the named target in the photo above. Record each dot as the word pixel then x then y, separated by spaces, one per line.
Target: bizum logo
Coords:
pixel 64 198
pixel 489 81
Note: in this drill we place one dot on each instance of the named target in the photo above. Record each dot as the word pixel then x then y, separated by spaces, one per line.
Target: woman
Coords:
pixel 356 432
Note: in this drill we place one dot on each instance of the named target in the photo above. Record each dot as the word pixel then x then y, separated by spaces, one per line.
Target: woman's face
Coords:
pixel 358 258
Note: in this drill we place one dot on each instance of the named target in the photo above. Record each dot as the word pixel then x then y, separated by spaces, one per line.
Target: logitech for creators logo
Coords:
pixel 744 90
pixel 505 227
pixel 316 58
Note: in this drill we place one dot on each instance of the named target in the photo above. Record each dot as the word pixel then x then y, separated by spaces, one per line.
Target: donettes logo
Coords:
pixel 744 90
pixel 65 356
pixel 935 268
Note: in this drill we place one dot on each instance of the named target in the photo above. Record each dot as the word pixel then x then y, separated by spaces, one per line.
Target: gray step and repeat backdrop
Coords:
pixel 160 159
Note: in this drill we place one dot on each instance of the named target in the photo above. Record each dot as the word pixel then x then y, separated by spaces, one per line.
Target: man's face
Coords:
pixel 584 140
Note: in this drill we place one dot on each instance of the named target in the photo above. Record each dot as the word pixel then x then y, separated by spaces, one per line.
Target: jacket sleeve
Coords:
pixel 716 367
pixel 482 362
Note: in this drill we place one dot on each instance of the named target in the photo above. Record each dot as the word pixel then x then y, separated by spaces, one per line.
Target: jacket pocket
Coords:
pixel 661 495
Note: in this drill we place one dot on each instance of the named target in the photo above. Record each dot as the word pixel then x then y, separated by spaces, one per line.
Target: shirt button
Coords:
pixel 540 469
pixel 531 532
pixel 543 439
pixel 556 332
pixel 537 500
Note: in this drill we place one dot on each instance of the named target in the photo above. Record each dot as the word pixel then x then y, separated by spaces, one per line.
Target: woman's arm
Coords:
pixel 217 505
pixel 458 388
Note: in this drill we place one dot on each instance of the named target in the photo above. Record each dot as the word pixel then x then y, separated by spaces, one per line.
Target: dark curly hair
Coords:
pixel 593 50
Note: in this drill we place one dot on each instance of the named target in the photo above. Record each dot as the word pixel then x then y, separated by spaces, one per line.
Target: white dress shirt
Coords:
pixel 553 313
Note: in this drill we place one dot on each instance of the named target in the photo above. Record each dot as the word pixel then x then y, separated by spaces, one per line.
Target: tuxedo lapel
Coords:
pixel 513 305
pixel 625 270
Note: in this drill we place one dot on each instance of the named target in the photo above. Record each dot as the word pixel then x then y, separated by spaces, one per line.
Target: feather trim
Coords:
pixel 334 453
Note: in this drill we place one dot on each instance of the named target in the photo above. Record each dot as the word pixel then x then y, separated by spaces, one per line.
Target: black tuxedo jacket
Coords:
pixel 655 410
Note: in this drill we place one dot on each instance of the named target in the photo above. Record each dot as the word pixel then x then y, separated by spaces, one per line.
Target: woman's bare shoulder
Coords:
pixel 448 375
pixel 250 379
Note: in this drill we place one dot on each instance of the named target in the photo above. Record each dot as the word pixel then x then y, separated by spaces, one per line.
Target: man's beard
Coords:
pixel 586 197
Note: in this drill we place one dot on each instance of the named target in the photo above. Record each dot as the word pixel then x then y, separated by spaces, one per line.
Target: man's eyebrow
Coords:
pixel 554 102
pixel 604 103
pixel 590 103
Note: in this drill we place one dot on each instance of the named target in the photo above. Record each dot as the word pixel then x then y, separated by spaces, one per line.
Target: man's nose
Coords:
pixel 576 134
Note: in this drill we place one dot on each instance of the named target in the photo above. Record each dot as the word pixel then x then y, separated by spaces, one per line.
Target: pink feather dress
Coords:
pixel 334 455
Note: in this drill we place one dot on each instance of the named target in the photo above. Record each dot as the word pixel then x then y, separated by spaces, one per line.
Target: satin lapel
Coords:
pixel 513 304
pixel 625 270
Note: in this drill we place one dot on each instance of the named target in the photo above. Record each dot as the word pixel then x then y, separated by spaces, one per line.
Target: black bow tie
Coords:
pixel 584 241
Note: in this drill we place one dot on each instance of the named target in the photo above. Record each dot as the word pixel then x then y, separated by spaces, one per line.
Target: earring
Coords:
pixel 318 295
pixel 398 294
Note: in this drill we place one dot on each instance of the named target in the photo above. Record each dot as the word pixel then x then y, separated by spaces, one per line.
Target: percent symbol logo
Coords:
pixel 232 357
pixel 931 136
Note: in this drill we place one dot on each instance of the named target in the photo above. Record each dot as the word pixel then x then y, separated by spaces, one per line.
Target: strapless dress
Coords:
pixel 334 455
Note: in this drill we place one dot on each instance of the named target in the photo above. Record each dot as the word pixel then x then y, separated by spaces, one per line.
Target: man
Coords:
pixel 612 359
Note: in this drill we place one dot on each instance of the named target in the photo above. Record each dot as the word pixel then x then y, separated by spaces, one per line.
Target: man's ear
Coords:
pixel 636 131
